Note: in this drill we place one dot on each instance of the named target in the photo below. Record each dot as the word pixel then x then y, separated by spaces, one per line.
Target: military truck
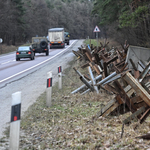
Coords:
pixel 40 45
pixel 56 37
pixel 67 37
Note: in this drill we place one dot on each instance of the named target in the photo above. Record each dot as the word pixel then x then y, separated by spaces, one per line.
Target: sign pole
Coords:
pixel 97 39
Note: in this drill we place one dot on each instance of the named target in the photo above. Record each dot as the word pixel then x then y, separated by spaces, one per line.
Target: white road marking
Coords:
pixel 5 63
pixel 36 65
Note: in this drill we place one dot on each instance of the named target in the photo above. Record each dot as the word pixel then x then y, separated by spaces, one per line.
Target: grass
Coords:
pixel 92 41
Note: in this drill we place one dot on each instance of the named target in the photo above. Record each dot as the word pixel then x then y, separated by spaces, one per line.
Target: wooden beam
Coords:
pixel 112 108
pixel 95 67
pixel 137 87
pixel 111 60
pixel 145 115
pixel 124 96
pixel 135 114
pixel 110 88
pixel 105 108
pixel 105 69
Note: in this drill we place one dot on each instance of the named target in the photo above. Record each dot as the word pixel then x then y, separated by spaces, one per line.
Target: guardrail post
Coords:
pixel 49 89
pixel 15 121
pixel 60 77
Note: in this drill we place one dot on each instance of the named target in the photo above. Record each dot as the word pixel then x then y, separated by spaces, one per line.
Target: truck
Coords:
pixel 56 37
pixel 40 45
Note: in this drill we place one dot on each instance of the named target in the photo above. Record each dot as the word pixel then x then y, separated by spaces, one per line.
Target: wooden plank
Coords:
pixel 137 87
pixel 136 99
pixel 85 65
pixel 145 115
pixel 124 96
pixel 123 68
pixel 140 104
pixel 119 99
pixel 129 93
pixel 135 114
pixel 88 56
pixel 145 87
pixel 136 74
pixel 113 101
pixel 110 88
pixel 111 60
pixel 105 69
pixel 106 107
pixel 112 108
pixel 127 88
pixel 95 67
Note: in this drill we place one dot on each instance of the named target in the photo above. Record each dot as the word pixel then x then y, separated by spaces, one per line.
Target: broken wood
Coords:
pixel 137 87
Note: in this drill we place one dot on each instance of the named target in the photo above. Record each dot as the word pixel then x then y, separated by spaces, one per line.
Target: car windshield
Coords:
pixel 23 48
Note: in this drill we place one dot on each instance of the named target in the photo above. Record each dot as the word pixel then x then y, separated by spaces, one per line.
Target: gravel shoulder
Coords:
pixel 32 85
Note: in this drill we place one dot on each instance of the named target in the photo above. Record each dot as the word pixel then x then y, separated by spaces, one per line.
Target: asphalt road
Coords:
pixel 29 77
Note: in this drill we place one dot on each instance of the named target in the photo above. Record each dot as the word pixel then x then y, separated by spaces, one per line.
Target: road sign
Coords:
pixel 1 40
pixel 96 29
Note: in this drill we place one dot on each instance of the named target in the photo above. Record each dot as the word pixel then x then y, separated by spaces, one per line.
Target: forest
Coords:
pixel 119 19
pixel 23 19
pixel 125 19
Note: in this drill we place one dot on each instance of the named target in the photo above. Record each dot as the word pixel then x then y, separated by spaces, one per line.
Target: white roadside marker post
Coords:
pixel 15 121
pixel 49 89
pixel 60 77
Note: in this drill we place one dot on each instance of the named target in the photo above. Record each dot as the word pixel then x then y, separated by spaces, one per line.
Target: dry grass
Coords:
pixel 9 48
pixel 6 49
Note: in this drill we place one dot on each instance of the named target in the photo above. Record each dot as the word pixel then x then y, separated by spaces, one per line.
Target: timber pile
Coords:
pixel 117 72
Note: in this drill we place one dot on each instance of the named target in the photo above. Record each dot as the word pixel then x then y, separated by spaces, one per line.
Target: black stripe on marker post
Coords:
pixel 49 82
pixel 59 69
pixel 15 112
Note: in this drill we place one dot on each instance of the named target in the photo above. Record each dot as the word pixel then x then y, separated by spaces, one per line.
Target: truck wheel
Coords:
pixel 47 52
pixel 43 44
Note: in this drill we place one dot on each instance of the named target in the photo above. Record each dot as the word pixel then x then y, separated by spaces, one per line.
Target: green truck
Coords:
pixel 67 37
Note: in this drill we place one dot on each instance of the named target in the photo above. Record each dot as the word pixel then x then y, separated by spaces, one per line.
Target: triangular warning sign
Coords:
pixel 96 29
